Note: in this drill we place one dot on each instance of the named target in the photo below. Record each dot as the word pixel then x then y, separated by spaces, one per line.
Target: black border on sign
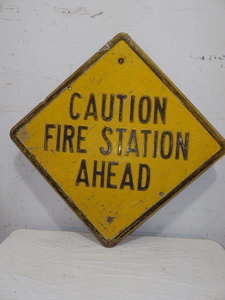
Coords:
pixel 173 89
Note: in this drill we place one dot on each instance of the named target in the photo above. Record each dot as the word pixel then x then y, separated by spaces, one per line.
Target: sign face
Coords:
pixel 117 140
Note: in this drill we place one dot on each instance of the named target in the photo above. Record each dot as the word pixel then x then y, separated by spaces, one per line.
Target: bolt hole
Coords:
pixel 161 194
pixel 121 60
pixel 69 87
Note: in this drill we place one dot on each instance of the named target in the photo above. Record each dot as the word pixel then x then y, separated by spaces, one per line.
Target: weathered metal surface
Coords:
pixel 117 140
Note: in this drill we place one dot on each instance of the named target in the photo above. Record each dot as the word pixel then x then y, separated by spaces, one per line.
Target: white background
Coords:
pixel 43 42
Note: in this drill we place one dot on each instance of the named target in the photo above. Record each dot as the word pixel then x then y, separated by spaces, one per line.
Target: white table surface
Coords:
pixel 66 265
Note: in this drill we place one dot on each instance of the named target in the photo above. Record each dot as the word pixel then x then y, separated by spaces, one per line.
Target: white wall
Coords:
pixel 43 42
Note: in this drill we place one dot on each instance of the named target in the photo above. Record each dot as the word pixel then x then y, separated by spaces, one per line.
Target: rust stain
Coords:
pixel 24 136
pixel 110 219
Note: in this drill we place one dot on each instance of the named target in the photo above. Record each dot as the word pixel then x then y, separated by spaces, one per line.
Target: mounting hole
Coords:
pixel 69 87
pixel 161 194
pixel 121 60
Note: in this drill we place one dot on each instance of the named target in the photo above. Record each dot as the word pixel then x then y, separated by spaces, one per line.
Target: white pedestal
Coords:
pixel 66 265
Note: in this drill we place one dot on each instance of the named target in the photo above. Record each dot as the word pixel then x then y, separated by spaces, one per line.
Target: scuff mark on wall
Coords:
pixel 81 10
pixel 97 14
pixel 211 57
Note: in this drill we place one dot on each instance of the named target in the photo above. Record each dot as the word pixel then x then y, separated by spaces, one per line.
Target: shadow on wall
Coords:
pixel 45 195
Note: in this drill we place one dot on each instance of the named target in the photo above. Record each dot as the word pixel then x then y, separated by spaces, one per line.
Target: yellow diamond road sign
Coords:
pixel 117 140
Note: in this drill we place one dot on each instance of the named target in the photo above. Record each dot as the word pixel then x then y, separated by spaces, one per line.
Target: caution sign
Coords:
pixel 117 140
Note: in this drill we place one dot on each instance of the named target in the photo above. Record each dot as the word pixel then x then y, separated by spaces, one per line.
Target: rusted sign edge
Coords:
pixel 172 88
